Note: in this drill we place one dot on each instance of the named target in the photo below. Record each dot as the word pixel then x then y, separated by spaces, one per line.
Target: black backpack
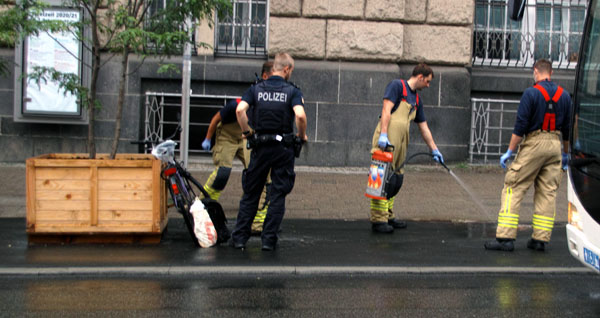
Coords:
pixel 217 216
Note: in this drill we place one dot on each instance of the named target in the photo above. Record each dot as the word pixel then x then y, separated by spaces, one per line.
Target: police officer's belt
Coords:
pixel 286 139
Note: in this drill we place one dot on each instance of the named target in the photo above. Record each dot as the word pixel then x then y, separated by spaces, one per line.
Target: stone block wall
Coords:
pixel 434 31
pixel 359 47
pixel 346 53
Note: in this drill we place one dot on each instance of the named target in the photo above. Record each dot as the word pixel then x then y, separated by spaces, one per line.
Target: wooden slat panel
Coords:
pixel 94 196
pixel 62 184
pixel 64 228
pixel 59 195
pixel 77 163
pixel 125 205
pixel 62 173
pixel 31 192
pixel 124 216
pixel 45 216
pixel 156 199
pixel 124 174
pixel 62 205
pixel 125 195
pixel 124 185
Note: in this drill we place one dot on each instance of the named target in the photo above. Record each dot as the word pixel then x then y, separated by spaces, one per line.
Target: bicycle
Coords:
pixel 184 189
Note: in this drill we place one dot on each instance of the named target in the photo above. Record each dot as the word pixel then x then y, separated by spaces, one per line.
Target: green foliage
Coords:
pixel 119 26
pixel 68 82
pixel 18 21
pixel 169 69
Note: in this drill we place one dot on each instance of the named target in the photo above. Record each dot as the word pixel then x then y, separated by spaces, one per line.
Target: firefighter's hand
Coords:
pixel 437 156
pixel 206 144
pixel 505 158
pixel 383 141
pixel 565 161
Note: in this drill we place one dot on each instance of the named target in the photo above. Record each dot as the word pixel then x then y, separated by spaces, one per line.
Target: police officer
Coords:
pixel 543 114
pixel 229 144
pixel 275 104
pixel 401 105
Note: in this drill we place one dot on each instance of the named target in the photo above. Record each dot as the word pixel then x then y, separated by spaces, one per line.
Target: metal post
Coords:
pixel 185 96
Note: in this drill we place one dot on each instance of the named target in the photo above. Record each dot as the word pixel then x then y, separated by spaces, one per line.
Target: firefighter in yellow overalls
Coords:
pixel 543 115
pixel 401 105
pixel 229 144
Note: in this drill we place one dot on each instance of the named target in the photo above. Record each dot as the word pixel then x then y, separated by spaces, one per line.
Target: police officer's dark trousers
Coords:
pixel 279 159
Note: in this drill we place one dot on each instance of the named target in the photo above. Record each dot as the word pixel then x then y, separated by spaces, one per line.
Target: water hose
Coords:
pixel 419 154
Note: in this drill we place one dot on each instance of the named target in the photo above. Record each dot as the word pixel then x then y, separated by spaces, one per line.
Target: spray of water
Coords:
pixel 475 198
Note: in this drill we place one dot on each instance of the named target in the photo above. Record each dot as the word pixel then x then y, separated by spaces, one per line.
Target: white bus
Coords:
pixel 583 229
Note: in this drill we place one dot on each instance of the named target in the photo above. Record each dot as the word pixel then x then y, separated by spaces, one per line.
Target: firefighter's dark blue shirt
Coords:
pixel 530 114
pixel 293 97
pixel 228 112
pixel 393 92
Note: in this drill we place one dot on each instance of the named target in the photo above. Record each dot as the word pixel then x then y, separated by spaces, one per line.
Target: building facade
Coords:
pixel 346 52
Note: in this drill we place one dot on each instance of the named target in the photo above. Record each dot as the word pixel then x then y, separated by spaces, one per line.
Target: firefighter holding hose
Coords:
pixel 401 105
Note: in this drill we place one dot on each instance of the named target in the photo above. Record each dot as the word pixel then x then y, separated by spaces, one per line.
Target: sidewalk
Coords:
pixel 325 231
pixel 429 193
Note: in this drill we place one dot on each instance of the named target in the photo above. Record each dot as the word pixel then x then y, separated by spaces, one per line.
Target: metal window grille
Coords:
pixel 244 31
pixel 550 29
pixel 492 122
pixel 161 116
pixel 153 12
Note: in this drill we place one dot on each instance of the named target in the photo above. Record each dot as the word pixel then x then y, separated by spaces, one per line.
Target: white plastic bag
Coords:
pixel 203 226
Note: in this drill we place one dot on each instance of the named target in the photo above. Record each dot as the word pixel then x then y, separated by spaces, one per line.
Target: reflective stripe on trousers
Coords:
pixel 538 163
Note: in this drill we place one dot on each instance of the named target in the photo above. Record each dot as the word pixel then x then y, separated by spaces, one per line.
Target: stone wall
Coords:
pixel 346 52
pixel 434 31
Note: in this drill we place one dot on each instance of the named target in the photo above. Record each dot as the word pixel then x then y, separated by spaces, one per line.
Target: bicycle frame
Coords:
pixel 179 188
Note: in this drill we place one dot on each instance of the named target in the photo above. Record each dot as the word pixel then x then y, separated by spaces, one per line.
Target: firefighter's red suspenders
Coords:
pixel 404 93
pixel 404 98
pixel 550 113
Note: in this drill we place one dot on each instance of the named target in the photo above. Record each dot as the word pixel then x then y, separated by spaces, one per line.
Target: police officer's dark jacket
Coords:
pixel 530 114
pixel 271 105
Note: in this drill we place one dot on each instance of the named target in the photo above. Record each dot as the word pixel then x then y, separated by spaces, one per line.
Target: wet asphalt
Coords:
pixel 305 247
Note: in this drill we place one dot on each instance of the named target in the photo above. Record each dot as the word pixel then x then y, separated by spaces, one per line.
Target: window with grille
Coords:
pixel 153 16
pixel 244 30
pixel 550 29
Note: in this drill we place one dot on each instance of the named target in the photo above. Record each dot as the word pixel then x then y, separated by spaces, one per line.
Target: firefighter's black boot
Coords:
pixel 500 244
pixel 382 227
pixel 397 224
pixel 536 245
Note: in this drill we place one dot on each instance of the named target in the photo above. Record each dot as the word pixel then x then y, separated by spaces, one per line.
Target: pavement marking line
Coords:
pixel 282 270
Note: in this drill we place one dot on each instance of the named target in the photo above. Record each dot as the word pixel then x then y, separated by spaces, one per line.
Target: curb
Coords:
pixel 281 270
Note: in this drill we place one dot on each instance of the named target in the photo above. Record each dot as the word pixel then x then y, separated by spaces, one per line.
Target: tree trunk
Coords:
pixel 91 102
pixel 120 102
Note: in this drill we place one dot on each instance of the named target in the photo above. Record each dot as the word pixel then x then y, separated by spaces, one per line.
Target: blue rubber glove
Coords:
pixel 505 158
pixel 437 156
pixel 565 161
pixel 206 144
pixel 383 141
pixel 577 144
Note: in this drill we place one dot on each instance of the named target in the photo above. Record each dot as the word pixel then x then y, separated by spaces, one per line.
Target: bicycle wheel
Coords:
pixel 214 208
pixel 183 203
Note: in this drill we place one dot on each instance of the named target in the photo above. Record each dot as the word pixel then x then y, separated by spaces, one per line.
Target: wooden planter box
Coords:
pixel 72 198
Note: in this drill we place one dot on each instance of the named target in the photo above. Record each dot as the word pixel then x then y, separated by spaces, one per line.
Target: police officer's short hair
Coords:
pixel 281 61
pixel 267 68
pixel 543 66
pixel 422 69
